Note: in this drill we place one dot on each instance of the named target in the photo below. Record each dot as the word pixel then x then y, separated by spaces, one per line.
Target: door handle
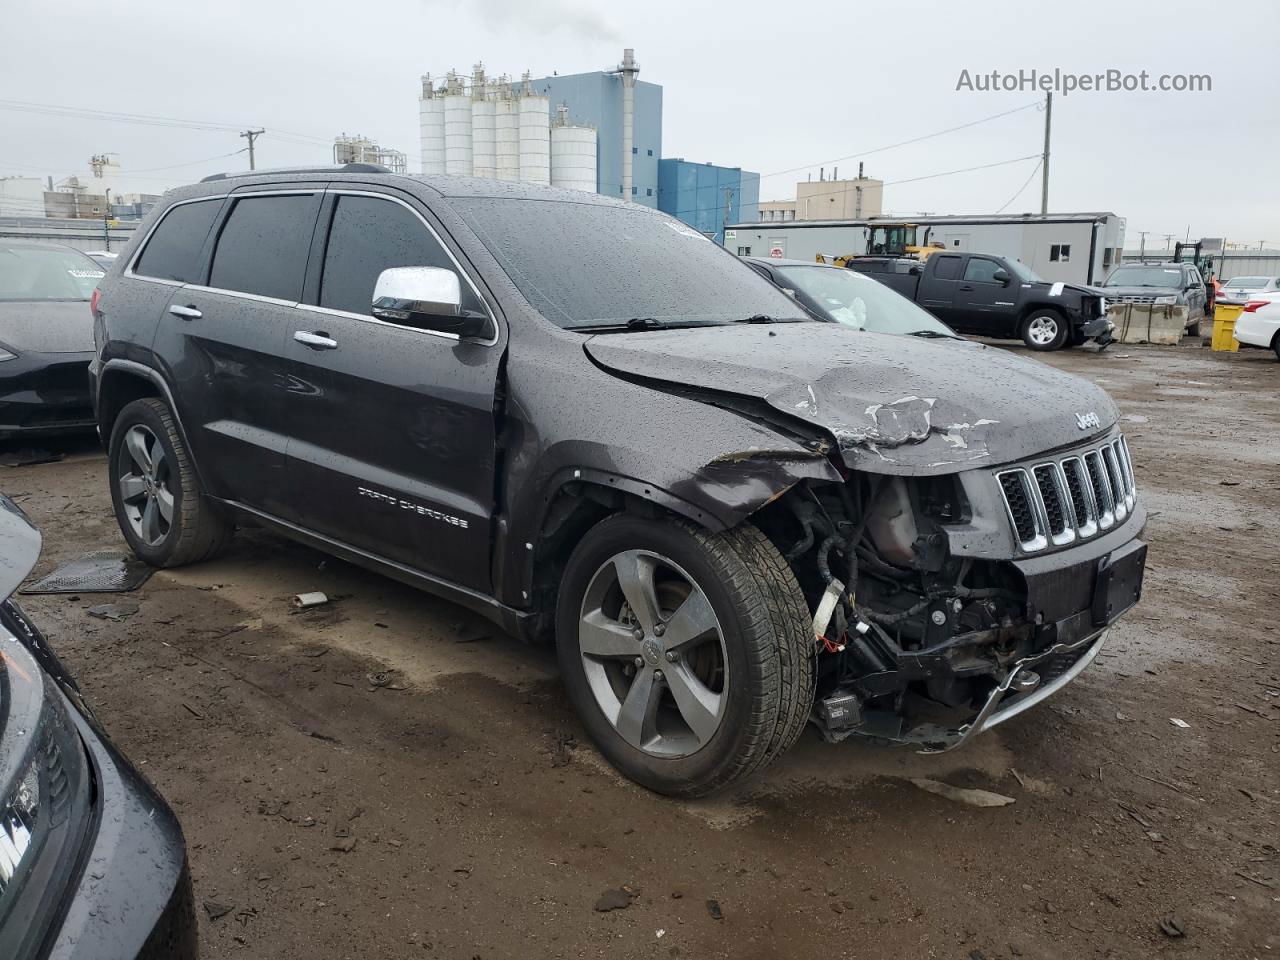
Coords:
pixel 966 286
pixel 316 341
pixel 186 313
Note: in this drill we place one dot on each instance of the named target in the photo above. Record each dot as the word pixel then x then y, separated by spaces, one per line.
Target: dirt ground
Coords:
pixel 485 827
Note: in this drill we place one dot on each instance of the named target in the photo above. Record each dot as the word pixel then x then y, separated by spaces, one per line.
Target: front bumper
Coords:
pixel 45 393
pixel 132 895
pixel 1099 326
pixel 1010 698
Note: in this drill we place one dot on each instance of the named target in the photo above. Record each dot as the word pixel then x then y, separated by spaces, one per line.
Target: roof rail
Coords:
pixel 340 168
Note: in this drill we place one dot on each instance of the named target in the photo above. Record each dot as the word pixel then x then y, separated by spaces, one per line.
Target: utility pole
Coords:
pixel 1168 238
pixel 252 135
pixel 728 200
pixel 1044 159
pixel 1142 245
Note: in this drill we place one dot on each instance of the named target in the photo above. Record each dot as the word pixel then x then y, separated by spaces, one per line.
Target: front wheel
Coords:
pixel 687 655
pixel 1045 330
pixel 158 502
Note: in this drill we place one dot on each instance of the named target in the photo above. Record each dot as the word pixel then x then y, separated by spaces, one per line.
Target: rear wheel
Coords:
pixel 1045 329
pixel 157 498
pixel 686 654
pixel 1194 329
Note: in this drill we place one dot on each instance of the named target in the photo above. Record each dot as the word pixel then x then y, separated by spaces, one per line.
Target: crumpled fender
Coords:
pixel 713 466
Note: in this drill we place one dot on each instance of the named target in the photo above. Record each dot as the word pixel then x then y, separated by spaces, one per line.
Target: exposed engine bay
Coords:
pixel 915 642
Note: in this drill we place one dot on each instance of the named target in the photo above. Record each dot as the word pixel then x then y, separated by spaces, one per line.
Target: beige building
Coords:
pixel 857 199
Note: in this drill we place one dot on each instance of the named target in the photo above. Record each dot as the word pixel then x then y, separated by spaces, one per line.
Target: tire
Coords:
pixel 760 634
pixel 1045 329
pixel 1194 329
pixel 1275 344
pixel 192 531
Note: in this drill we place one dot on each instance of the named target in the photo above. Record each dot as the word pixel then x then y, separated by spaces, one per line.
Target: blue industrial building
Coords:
pixel 596 99
pixel 706 196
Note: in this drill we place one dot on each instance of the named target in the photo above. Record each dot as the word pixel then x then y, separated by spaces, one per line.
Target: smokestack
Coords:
pixel 628 71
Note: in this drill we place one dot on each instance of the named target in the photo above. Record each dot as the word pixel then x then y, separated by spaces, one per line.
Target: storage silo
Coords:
pixel 535 137
pixel 457 128
pixel 573 154
pixel 506 129
pixel 431 129
pixel 483 158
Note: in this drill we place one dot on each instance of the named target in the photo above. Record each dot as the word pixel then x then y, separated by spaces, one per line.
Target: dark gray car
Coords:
pixel 596 427
pixel 1160 284
pixel 46 338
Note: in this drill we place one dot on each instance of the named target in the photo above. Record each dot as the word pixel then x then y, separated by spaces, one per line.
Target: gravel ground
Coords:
pixel 455 811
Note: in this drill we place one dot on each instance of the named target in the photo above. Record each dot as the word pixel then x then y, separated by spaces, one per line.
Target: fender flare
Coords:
pixel 141 371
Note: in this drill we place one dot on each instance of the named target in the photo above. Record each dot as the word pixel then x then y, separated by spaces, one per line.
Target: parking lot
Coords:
pixel 387 776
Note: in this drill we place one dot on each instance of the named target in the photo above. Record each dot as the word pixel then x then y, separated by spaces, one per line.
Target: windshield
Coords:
pixel 1169 278
pixel 46 273
pixel 1247 283
pixel 858 301
pixel 590 264
pixel 1025 273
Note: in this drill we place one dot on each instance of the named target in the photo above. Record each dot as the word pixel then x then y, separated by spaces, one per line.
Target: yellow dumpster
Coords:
pixel 1224 325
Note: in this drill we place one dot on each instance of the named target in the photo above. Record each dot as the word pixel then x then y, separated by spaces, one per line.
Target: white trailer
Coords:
pixel 1072 247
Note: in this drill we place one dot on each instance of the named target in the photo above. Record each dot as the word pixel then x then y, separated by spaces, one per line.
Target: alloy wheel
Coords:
pixel 654 654
pixel 1043 330
pixel 143 475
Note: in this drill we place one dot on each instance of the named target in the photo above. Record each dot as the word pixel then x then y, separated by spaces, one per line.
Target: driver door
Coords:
pixel 396 454
pixel 986 304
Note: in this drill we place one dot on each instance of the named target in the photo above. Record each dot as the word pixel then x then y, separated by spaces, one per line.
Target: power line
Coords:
pixel 903 143
pixel 948 173
pixel 1024 186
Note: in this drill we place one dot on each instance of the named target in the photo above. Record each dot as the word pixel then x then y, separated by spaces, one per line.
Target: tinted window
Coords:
pixel 173 252
pixel 948 268
pixel 31 272
pixel 581 264
pixel 1146 276
pixel 263 246
pixel 368 236
pixel 981 271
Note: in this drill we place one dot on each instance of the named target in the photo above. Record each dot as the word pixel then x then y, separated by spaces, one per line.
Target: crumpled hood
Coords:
pixel 47 326
pixel 19 547
pixel 893 404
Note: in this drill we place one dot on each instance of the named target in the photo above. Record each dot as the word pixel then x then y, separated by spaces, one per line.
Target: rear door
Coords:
pixel 937 290
pixel 984 304
pixel 397 455
pixel 223 341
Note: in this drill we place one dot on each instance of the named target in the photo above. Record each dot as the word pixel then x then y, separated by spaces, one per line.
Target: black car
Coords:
pixel 92 861
pixel 593 425
pixel 994 296
pixel 46 338
pixel 843 296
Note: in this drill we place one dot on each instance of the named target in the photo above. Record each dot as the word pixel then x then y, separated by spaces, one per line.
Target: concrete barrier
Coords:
pixel 1148 323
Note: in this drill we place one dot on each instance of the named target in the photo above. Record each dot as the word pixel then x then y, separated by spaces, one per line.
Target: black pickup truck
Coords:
pixel 995 297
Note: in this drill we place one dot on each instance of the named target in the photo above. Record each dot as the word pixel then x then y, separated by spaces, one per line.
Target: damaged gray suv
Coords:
pixel 592 425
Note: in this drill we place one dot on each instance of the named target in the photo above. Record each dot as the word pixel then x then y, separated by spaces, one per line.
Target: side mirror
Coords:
pixel 429 298
pixel 1001 276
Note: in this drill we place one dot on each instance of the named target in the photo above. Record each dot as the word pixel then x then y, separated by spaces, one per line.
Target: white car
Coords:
pixel 1242 288
pixel 1259 324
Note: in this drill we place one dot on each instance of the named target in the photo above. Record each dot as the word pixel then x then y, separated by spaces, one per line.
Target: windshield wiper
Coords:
pixel 623 326
pixel 765 318
pixel 933 335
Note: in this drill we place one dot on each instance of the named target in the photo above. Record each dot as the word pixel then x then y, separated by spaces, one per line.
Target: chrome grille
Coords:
pixel 1060 501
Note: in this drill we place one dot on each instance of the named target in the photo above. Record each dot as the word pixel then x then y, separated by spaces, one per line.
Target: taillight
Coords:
pixel 1253 305
pixel 93 302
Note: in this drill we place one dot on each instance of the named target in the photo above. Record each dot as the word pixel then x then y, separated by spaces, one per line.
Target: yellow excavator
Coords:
pixel 891 240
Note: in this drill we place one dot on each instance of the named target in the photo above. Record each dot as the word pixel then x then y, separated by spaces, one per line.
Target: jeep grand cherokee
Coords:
pixel 593 425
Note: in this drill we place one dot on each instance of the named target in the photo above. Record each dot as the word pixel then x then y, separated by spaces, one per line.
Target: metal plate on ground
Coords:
pixel 104 571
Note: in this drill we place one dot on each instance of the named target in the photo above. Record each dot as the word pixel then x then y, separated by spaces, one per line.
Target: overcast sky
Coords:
pixel 768 86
